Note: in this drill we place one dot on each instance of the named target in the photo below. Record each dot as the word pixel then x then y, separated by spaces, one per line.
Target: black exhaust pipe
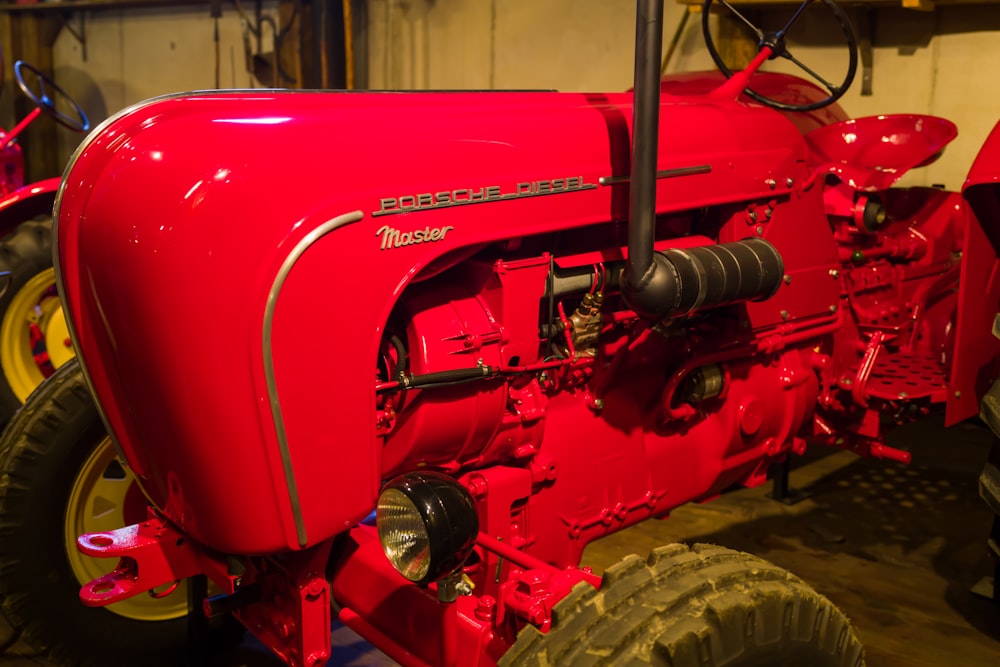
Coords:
pixel 644 280
pixel 657 285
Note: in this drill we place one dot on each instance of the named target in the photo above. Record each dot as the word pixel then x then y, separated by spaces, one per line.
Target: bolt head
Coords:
pixel 485 609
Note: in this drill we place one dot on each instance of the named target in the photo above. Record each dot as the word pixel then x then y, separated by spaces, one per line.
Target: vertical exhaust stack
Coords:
pixel 657 285
pixel 649 283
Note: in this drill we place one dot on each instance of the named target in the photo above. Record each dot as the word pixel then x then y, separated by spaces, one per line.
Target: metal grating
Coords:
pixel 905 376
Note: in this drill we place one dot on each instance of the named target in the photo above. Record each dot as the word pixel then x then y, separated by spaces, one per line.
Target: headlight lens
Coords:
pixel 427 524
pixel 403 535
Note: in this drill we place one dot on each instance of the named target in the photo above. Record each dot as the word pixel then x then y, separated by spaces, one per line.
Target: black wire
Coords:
pixel 552 307
pixel 445 378
pixel 401 356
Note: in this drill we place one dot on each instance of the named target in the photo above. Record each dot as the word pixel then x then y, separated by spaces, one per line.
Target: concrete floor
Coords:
pixel 896 547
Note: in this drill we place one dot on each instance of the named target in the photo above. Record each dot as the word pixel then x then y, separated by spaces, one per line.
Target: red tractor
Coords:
pixel 413 352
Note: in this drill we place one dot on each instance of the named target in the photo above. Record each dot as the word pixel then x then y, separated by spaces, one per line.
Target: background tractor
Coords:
pixel 34 340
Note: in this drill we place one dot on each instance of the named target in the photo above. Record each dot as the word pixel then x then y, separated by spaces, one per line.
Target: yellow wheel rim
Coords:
pixel 34 304
pixel 97 504
pixel 56 330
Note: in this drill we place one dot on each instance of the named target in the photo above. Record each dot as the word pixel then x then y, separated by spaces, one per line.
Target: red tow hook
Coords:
pixel 152 553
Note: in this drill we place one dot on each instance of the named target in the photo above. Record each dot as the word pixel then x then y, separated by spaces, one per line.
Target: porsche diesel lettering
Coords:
pixel 463 196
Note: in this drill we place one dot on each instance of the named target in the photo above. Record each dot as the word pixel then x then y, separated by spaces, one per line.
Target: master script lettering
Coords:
pixel 394 238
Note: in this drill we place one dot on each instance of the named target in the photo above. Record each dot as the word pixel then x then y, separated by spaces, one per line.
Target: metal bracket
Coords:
pixel 781 490
pixel 292 615
pixel 164 553
pixel 66 21
pixel 866 39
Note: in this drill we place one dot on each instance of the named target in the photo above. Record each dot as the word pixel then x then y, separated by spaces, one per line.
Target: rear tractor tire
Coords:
pixel 701 606
pixel 34 338
pixel 58 478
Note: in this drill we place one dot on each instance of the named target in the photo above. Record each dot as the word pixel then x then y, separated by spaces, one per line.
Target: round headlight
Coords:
pixel 427 524
pixel 403 535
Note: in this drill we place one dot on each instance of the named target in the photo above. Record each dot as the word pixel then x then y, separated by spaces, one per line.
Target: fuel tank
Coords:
pixel 229 261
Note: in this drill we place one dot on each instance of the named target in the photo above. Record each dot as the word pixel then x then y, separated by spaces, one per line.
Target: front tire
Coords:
pixel 59 477
pixel 703 606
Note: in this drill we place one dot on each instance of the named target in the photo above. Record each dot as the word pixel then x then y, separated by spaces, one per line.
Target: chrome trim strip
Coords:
pixel 272 387
pixel 663 173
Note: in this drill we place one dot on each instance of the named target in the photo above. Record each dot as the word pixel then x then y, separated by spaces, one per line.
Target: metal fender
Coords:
pixel 980 189
pixel 26 202
pixel 976 350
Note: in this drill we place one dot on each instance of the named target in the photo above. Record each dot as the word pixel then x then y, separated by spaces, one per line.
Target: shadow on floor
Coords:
pixel 896 547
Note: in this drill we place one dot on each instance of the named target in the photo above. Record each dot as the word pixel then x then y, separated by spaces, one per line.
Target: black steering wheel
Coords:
pixel 779 49
pixel 77 122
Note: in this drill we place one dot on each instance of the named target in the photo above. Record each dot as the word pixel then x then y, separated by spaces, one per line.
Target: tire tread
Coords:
pixel 701 606
pixel 58 424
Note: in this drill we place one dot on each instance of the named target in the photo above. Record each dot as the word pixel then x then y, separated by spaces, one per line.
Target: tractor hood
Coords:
pixel 228 262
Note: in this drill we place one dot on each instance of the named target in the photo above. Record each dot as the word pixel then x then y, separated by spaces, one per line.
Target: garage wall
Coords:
pixel 934 62
pixel 140 54
pixel 134 55
pixel 564 44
